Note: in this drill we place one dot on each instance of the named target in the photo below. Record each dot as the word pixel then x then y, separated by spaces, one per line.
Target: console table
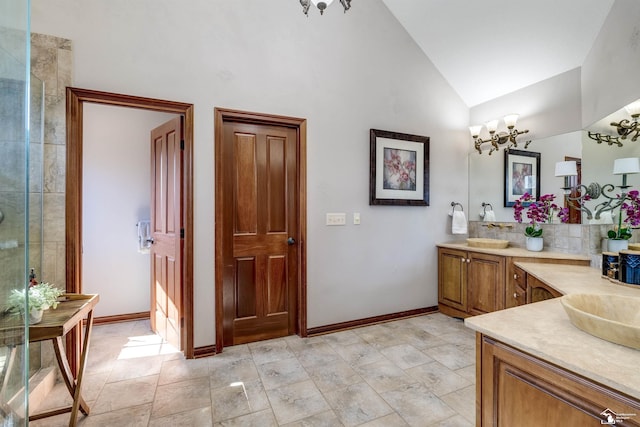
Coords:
pixel 55 324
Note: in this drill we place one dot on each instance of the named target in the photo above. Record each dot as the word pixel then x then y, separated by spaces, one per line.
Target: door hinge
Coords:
pixel 182 233
pixel 182 144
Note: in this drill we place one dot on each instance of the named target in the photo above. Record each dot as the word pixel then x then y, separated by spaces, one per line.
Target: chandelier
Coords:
pixel 625 128
pixel 498 138
pixel 322 5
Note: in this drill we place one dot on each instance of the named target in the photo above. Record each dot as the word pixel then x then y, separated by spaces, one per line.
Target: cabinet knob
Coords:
pixel 468 260
pixel 462 259
pixel 515 295
pixel 515 276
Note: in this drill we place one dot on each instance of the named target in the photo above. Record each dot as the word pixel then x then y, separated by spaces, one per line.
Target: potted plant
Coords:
pixel 38 298
pixel 619 236
pixel 539 212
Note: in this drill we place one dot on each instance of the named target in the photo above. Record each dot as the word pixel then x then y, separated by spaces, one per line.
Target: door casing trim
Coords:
pixel 222 115
pixel 76 98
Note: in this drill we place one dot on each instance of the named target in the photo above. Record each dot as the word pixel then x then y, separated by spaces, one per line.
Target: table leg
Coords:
pixel 77 398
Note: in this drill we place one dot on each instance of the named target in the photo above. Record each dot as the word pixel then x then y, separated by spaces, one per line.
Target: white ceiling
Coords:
pixel 488 48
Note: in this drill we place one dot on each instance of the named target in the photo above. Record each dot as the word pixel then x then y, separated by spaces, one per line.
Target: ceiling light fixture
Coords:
pixel 625 128
pixel 498 138
pixel 322 5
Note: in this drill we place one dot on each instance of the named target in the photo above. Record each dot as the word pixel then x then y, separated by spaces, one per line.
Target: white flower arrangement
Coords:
pixel 41 297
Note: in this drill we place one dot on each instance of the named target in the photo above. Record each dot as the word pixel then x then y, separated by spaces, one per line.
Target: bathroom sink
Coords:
pixel 611 317
pixel 480 242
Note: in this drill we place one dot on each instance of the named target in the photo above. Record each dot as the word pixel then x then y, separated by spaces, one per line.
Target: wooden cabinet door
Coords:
pixel 539 291
pixel 517 389
pixel 452 278
pixel 485 283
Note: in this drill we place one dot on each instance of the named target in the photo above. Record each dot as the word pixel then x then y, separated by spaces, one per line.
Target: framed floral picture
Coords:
pixel 399 169
pixel 521 175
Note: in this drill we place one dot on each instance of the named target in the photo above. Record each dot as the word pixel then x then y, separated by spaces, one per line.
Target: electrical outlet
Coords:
pixel 336 219
pixel 356 218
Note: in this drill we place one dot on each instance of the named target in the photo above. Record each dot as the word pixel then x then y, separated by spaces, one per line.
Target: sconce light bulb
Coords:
pixel 633 109
pixel 475 130
pixel 492 126
pixel 510 120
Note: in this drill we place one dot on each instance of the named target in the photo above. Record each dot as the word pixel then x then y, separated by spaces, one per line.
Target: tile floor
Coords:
pixel 412 372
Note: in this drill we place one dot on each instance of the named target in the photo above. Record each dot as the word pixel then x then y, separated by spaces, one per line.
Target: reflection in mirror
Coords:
pixel 598 158
pixel 487 176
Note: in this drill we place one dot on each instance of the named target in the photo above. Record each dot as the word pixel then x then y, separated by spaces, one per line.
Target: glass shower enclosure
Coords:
pixel 21 148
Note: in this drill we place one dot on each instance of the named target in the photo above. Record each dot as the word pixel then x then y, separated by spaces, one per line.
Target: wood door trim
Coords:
pixel 76 98
pixel 222 115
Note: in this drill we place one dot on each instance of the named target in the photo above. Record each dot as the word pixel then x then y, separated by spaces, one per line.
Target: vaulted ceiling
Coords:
pixel 488 48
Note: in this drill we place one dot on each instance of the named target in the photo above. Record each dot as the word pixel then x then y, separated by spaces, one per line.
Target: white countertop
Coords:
pixel 543 329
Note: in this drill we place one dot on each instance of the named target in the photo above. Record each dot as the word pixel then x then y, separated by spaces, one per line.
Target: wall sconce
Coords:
pixel 498 138
pixel 593 191
pixel 625 128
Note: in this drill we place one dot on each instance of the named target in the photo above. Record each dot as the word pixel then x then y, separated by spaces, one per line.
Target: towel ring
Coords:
pixel 484 209
pixel 454 204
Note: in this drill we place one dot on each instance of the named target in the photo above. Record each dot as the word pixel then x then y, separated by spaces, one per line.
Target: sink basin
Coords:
pixel 479 242
pixel 611 317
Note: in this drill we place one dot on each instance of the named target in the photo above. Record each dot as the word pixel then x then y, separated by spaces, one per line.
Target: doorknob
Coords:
pixel 291 241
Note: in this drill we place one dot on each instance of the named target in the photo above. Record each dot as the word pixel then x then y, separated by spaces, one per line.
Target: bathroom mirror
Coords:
pixel 486 173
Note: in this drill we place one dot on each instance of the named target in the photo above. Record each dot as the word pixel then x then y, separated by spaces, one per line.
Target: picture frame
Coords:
pixel 398 169
pixel 521 175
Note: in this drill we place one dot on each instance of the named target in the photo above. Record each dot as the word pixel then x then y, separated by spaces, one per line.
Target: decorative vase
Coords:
pixel 35 316
pixel 534 244
pixel 617 245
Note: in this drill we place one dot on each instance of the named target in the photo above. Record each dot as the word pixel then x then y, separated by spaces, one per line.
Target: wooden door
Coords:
pixel 575 214
pixel 260 231
pixel 166 230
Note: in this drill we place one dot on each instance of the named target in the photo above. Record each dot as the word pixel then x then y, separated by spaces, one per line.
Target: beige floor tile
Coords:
pixel 238 399
pixel 282 372
pixel 333 376
pixel 418 406
pixel 451 356
pixel 357 404
pixel 367 376
pixel 391 420
pixel 463 402
pixel 359 354
pixel 200 417
pixel 183 369
pixel 224 371
pixel 125 394
pixel 258 419
pixel 323 419
pixel 405 356
pixel 384 376
pixel 182 396
pixel 296 401
pixel 270 351
pixel 438 378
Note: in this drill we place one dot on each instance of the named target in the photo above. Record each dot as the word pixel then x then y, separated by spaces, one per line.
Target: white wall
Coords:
pixel 610 71
pixel 115 196
pixel 345 73
pixel 547 108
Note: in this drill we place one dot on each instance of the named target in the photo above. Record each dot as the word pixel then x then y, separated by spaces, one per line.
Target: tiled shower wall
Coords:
pixel 51 61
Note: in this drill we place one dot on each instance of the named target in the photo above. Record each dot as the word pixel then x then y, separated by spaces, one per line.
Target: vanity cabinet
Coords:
pixel 472 282
pixel 469 283
pixel 516 389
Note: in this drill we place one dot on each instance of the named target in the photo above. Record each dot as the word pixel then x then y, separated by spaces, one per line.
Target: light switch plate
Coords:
pixel 336 219
pixel 356 218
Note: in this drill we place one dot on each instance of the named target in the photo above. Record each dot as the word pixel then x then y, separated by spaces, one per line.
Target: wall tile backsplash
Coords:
pixel 588 240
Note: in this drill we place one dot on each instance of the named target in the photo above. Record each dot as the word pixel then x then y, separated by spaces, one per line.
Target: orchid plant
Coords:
pixel 538 212
pixel 630 206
